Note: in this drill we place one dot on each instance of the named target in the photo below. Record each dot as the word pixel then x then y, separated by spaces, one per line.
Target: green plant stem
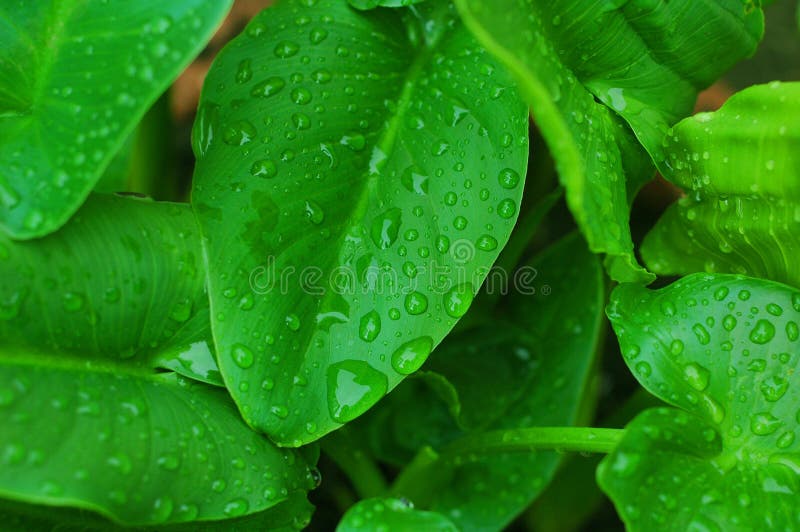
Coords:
pixel 574 439
pixel 347 454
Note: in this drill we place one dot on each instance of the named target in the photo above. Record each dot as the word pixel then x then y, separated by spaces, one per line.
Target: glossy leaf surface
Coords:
pixel 289 515
pixel 92 290
pixel 371 4
pixel 645 61
pixel 544 350
pixel 723 349
pixel 137 448
pixel 75 78
pixel 88 420
pixel 740 167
pixel 354 185
pixel 391 514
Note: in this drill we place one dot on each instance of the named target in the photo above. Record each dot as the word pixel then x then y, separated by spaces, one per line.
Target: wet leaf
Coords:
pixel 391 514
pixel 643 61
pixel 545 349
pixel 371 4
pixel 88 419
pixel 740 168
pixel 75 78
pixel 351 208
pixel 722 349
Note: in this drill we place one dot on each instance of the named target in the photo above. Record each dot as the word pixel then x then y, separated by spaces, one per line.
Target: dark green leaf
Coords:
pixel 723 348
pixel 740 167
pixel 75 78
pixel 380 186
pixel 392 514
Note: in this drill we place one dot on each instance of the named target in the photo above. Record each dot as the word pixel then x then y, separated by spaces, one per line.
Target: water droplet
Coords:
pixel 301 96
pixel 773 389
pixel 370 326
pixel 293 322
pixel 762 333
pixel 245 72
pixel 286 49
pixel 73 301
pixel 701 334
pixel 242 356
pixel 236 507
pixel 385 228
pixel 486 243
pixel 458 299
pixel 697 376
pixel 314 212
pixel 264 168
pixel 507 208
pixel 508 178
pixel 764 424
pixel 416 303
pixel 353 387
pixel 317 35
pixel 269 87
pixel 410 356
pixel 239 133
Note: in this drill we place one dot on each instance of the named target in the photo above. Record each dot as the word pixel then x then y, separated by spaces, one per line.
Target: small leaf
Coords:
pixel 364 201
pixel 740 167
pixel 391 514
pixel 721 348
pixel 74 80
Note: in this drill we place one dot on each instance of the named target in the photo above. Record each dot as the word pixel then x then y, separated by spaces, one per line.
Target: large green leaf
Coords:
pixel 722 348
pixel 88 314
pixel 75 77
pixel 91 289
pixel 377 174
pixel 392 514
pixel 290 515
pixel 643 60
pixel 529 369
pixel 740 167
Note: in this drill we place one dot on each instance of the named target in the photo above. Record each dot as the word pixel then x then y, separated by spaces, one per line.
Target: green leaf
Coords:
pixel 722 348
pixel 535 374
pixel 629 55
pixel 740 167
pixel 391 514
pixel 123 281
pixel 75 78
pixel 289 515
pixel 372 4
pixel 351 208
pixel 137 448
pixel 88 420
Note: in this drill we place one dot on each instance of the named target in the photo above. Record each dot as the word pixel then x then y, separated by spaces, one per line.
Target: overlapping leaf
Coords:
pixel 354 184
pixel 75 77
pixel 722 348
pixel 740 167
pixel 392 514
pixel 533 374
pixel 643 60
pixel 88 313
